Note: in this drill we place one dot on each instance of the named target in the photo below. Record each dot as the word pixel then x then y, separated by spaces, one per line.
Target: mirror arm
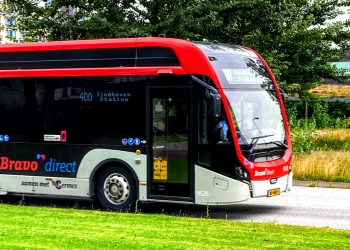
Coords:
pixel 207 86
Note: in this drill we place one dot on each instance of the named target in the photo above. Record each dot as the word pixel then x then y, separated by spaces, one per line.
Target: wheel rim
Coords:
pixel 116 188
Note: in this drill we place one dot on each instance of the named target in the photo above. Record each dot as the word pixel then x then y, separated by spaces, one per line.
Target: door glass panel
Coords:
pixel 170 140
pixel 170 143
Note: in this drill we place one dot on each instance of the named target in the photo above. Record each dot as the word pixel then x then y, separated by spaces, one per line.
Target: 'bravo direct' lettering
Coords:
pixel 7 164
pixel 53 166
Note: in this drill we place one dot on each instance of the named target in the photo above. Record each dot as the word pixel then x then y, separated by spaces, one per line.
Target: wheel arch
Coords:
pixel 106 164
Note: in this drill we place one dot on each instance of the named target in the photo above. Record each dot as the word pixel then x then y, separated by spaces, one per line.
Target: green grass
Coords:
pixel 30 227
pixel 321 155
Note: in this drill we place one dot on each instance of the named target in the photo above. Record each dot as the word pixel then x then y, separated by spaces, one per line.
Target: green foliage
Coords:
pixel 345 179
pixel 326 114
pixel 306 138
pixel 292 36
pixel 329 144
pixel 304 133
pixel 320 115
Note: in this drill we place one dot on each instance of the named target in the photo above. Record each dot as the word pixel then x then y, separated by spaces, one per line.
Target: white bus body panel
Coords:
pixel 215 189
pixel 260 188
pixel 17 184
pixel 62 186
pixel 44 185
pixel 94 157
pixel 137 162
pixel 79 186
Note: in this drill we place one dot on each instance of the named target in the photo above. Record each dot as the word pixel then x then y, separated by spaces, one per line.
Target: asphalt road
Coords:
pixel 307 206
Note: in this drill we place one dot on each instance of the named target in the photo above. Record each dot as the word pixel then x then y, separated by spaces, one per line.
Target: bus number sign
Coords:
pixel 202 193
pixel 105 97
pixel 86 96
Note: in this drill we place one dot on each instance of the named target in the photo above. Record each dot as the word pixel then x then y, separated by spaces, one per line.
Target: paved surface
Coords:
pixel 321 184
pixel 303 206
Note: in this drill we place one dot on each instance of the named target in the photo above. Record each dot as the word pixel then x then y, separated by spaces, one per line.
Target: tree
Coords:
pixel 99 18
pixel 292 35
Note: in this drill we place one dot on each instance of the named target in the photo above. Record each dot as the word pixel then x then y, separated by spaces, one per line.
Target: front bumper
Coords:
pixel 261 188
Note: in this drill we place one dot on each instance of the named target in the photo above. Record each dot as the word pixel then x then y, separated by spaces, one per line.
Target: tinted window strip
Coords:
pixel 127 57
pixel 67 55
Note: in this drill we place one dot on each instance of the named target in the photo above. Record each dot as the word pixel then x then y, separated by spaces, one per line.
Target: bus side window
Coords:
pixel 222 129
pixel 206 127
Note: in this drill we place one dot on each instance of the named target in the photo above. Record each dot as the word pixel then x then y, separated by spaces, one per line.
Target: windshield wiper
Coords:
pixel 280 144
pixel 254 142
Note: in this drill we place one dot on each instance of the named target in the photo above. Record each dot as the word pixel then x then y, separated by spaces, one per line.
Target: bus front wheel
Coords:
pixel 116 189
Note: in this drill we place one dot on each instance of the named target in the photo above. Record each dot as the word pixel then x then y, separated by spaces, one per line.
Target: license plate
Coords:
pixel 273 192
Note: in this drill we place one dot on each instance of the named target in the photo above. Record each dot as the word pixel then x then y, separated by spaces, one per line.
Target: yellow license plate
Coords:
pixel 273 192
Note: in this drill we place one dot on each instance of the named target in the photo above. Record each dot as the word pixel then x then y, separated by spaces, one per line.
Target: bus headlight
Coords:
pixel 240 171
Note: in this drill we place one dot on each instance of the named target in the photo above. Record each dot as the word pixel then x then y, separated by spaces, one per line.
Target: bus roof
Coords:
pixel 215 48
pixel 118 56
pixel 86 57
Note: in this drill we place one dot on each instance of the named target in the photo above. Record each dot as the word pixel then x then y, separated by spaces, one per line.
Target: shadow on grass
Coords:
pixel 239 211
pixel 49 201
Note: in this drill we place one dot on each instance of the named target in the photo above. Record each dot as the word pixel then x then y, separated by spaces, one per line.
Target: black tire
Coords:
pixel 116 189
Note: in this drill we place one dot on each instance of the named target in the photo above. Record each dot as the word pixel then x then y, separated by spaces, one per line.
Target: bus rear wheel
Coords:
pixel 116 189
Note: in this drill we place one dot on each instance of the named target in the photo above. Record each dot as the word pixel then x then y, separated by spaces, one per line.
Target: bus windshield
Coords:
pixel 256 113
pixel 252 99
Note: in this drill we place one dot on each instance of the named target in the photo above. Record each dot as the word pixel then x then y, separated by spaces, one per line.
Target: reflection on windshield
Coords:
pixel 235 71
pixel 256 114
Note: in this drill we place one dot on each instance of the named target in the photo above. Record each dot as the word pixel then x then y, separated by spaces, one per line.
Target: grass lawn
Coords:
pixel 329 159
pixel 32 227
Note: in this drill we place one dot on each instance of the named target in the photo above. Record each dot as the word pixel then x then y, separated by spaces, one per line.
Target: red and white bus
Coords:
pixel 136 119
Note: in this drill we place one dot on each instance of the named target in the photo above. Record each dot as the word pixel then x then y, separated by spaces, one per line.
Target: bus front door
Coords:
pixel 170 164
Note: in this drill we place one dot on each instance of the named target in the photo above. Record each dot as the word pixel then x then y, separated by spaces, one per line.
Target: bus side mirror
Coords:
pixel 214 105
